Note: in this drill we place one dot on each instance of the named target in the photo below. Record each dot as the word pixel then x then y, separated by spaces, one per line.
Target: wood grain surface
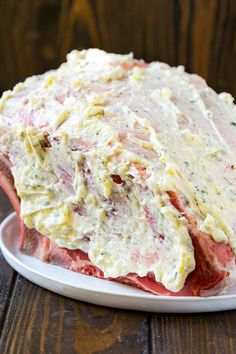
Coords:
pixel 7 275
pixel 35 35
pixel 39 321
pixel 213 333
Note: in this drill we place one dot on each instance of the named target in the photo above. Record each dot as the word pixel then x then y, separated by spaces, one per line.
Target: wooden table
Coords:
pixel 36 35
pixel 34 320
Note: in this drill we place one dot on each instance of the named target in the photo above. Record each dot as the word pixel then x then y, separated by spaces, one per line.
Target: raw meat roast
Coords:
pixel 124 170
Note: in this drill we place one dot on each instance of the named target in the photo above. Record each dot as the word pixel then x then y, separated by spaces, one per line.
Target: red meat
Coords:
pixel 214 261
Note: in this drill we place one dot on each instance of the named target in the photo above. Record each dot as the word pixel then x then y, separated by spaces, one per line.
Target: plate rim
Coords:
pixel 148 296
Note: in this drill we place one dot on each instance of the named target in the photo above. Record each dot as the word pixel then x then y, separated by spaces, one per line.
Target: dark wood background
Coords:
pixel 35 35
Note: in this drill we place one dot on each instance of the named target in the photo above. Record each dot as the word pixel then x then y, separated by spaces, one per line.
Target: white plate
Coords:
pixel 97 291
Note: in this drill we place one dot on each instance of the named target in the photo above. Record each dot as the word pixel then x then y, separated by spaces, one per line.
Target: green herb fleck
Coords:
pixel 186 163
pixel 233 123
pixel 203 193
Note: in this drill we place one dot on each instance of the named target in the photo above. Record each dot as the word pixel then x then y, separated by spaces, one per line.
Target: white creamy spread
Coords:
pixel 97 144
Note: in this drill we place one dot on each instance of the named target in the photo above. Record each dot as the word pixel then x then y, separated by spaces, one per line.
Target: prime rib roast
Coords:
pixel 124 170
